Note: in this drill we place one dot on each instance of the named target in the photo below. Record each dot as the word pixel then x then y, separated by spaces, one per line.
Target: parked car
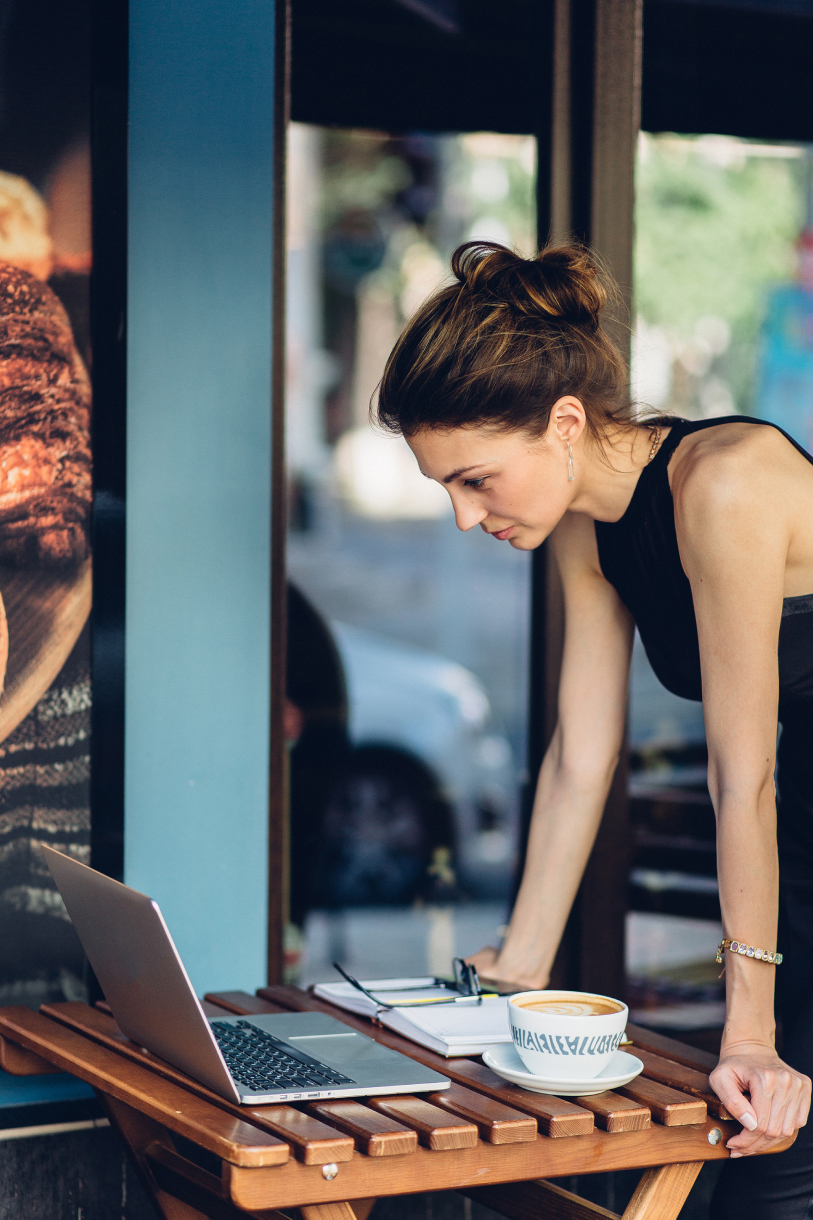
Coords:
pixel 399 788
pixel 438 711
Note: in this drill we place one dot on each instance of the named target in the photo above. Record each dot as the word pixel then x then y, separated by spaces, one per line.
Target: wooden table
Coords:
pixel 201 1156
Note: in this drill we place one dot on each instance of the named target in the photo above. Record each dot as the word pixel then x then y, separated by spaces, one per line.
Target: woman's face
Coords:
pixel 514 486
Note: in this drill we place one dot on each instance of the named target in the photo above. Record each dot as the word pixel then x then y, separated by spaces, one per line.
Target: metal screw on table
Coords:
pixel 714 1136
pixel 329 1171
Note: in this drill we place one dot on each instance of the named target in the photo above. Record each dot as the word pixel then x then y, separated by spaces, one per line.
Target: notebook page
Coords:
pixel 463 1022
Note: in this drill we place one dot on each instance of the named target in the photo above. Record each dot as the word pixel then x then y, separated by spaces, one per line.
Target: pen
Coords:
pixel 449 984
pixel 460 999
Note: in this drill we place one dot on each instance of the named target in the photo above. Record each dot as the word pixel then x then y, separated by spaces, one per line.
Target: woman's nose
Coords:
pixel 467 515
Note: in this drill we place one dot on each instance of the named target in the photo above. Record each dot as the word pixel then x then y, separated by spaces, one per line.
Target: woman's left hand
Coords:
pixel 779 1098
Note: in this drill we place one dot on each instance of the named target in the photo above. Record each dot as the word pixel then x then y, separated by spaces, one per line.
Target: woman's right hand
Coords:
pixel 484 961
pixel 491 971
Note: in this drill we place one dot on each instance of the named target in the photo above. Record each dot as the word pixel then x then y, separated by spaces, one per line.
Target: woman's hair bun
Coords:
pixel 562 284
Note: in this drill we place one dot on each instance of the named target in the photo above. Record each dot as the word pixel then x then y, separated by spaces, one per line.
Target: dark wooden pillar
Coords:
pixel 108 297
pixel 278 795
pixel 589 195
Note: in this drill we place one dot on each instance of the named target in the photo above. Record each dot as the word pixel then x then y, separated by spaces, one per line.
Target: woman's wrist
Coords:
pixel 747 1046
pixel 749 1002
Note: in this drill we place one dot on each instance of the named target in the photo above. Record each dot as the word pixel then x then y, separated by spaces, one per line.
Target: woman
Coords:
pixel 512 396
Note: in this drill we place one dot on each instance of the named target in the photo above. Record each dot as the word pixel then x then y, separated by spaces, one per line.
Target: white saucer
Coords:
pixel 505 1061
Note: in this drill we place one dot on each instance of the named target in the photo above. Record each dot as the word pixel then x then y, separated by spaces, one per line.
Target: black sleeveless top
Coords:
pixel 639 556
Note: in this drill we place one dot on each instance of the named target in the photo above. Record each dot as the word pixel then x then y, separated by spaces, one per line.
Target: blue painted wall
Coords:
pixel 198 476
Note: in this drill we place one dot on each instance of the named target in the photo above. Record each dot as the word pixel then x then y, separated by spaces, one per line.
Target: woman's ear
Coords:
pixel 568 419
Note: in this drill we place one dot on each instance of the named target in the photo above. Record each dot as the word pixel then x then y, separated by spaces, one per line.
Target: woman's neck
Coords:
pixel 611 468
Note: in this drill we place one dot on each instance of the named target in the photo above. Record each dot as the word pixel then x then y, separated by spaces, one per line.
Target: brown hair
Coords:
pixel 504 343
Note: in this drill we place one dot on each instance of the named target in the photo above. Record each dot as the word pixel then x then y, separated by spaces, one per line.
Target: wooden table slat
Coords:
pixel 670 1048
pixel 374 1133
pixel 685 1079
pixel 211 1010
pixel 17 1061
pixel 314 1141
pixel 668 1106
pixel 233 1139
pixel 496 1122
pixel 615 1113
pixel 94 1023
pixel 436 1128
pixel 240 1003
pixel 556 1116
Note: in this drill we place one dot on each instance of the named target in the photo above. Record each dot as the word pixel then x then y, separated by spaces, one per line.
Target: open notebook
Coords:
pixel 466 1028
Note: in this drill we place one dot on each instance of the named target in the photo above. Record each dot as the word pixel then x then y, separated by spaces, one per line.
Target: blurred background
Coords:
pixel 409 641
pixel 430 626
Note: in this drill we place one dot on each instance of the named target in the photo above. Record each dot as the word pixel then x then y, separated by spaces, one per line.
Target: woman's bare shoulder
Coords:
pixel 725 464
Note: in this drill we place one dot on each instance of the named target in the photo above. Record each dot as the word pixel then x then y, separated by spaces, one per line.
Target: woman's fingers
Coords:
pixel 771 1099
pixel 483 958
pixel 797 1120
pixel 492 975
pixel 484 961
pixel 726 1084
pixel 779 1100
pixel 804 1104
pixel 789 1102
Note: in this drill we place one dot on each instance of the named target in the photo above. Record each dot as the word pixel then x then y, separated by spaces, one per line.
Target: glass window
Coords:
pixel 408 651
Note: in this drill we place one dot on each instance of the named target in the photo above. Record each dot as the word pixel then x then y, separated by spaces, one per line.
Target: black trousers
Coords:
pixel 780 1186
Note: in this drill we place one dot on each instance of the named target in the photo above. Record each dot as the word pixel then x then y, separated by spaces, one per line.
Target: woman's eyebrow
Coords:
pixel 463 470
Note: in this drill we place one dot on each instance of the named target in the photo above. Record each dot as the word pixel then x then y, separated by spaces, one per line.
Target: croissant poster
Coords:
pixel 45 485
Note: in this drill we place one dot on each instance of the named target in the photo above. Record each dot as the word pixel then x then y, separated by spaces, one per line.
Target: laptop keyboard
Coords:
pixel 258 1061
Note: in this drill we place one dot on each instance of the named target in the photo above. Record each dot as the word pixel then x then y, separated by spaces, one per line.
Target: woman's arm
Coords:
pixel 579 763
pixel 733 530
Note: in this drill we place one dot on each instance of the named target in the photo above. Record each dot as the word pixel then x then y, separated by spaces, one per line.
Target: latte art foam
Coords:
pixel 588 1007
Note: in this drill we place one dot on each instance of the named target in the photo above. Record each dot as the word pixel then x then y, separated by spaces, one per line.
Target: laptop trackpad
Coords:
pixel 338 1049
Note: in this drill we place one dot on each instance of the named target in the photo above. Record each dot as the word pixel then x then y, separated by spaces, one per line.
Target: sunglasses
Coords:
pixel 465 984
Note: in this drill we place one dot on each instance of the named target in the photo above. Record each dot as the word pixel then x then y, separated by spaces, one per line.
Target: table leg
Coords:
pixel 138 1133
pixel 359 1209
pixel 661 1193
pixel 363 1207
pixel 177 1188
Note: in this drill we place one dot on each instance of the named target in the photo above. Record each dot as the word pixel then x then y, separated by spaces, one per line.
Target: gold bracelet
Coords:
pixel 737 946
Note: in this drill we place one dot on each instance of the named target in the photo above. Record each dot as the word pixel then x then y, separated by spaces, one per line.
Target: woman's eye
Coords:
pixel 475 483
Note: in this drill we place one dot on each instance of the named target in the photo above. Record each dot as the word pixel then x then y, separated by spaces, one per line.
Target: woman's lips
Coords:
pixel 502 534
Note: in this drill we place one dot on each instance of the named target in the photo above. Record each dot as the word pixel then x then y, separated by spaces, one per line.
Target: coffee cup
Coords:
pixel 566 1035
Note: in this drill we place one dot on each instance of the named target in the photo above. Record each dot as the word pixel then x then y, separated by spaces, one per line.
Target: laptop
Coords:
pixel 251 1060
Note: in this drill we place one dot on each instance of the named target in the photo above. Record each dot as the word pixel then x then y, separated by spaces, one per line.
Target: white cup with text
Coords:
pixel 566 1035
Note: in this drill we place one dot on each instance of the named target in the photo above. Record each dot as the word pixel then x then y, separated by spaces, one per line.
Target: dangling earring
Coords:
pixel 570 471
